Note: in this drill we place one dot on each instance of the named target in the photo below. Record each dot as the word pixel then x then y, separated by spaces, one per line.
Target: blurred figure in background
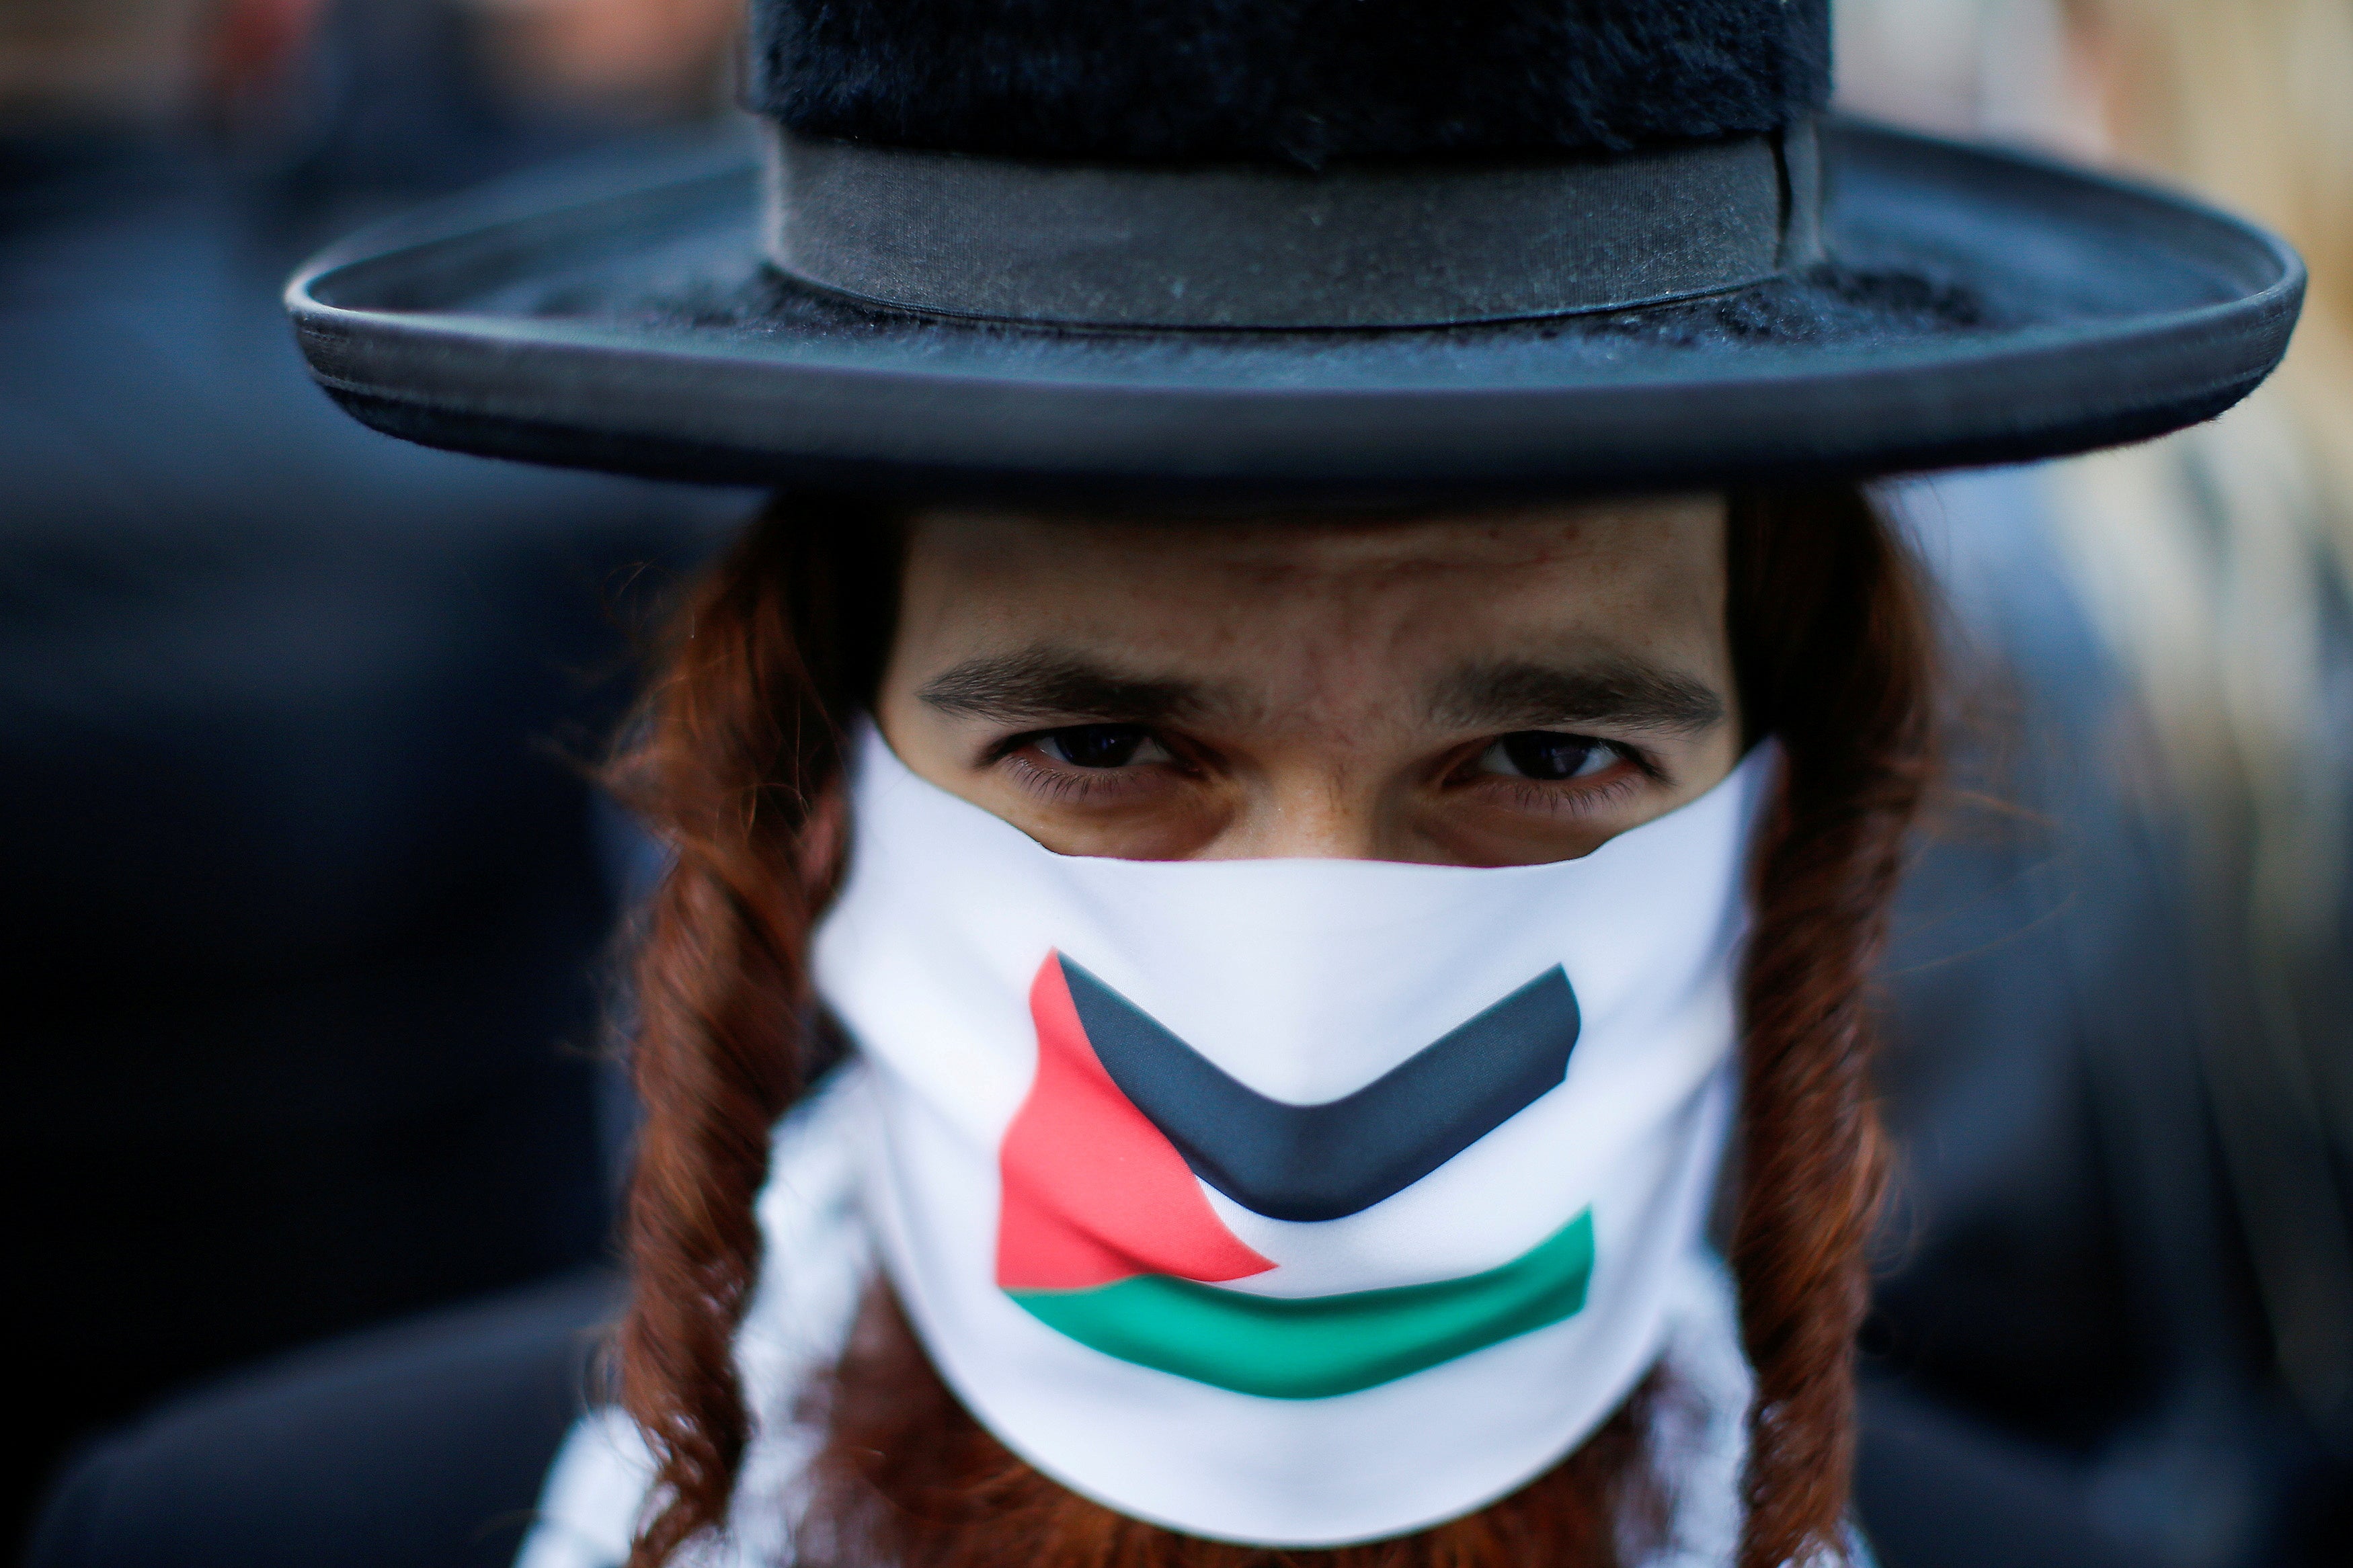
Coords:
pixel 2126 1069
pixel 612 58
pixel 2233 619
pixel 304 902
pixel 401 99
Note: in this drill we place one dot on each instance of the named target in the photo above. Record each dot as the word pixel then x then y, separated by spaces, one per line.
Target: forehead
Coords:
pixel 1607 567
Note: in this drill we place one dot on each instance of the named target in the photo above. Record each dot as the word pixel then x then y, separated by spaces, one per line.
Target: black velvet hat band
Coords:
pixel 1288 164
pixel 1358 245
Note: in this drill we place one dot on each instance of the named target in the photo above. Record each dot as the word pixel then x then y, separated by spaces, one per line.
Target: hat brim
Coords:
pixel 1979 307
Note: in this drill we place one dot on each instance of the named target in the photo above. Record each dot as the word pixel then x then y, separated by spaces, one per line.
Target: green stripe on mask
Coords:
pixel 1318 1346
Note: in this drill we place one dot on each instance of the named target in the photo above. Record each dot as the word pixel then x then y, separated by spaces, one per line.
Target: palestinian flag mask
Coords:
pixel 1287 1201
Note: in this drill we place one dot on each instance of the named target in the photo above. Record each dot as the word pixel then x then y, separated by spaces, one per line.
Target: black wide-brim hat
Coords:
pixel 1270 250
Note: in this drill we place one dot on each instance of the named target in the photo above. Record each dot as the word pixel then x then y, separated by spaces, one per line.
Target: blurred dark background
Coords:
pixel 305 903
pixel 307 896
pixel 2116 1319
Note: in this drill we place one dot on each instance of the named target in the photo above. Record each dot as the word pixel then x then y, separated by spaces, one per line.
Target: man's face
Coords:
pixel 1497 690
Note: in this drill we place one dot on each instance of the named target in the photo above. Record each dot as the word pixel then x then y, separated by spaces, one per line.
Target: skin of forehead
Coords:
pixel 1333 671
pixel 1300 613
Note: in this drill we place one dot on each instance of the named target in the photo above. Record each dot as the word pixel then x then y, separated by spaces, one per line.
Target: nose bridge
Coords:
pixel 1328 812
pixel 1328 764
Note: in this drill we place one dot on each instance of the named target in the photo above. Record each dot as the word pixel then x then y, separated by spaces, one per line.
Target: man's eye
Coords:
pixel 1545 754
pixel 1102 745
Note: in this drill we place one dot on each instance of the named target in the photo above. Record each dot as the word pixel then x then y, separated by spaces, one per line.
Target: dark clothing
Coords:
pixel 417 1447
pixel 303 906
pixel 2064 1274
pixel 424 1446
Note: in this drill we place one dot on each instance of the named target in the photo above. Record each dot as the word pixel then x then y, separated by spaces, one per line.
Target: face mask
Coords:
pixel 1287 1201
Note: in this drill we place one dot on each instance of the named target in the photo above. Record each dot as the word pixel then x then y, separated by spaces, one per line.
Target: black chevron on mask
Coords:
pixel 1323 1162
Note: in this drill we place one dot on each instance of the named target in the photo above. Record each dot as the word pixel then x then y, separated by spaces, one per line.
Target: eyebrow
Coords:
pixel 1037 683
pixel 1617 691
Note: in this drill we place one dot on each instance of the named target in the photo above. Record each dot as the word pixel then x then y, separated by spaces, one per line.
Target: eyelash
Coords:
pixel 1063 784
pixel 1534 797
pixel 1058 785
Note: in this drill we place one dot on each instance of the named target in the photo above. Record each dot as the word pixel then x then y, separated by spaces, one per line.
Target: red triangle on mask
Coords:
pixel 1094 1193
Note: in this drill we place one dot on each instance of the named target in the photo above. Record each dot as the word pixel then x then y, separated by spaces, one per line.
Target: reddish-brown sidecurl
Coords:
pixel 734 748
pixel 1833 643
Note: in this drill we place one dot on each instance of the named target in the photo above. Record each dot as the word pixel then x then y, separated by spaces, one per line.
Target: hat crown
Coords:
pixel 1296 81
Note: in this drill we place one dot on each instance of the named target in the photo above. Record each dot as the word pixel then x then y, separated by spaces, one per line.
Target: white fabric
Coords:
pixel 819 1257
pixel 588 1504
pixel 818 1261
pixel 1304 980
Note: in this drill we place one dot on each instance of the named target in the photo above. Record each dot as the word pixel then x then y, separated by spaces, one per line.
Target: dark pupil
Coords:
pixel 1543 755
pixel 1100 746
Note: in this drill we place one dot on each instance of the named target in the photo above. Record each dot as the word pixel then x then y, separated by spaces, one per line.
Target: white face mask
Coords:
pixel 1287 1201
